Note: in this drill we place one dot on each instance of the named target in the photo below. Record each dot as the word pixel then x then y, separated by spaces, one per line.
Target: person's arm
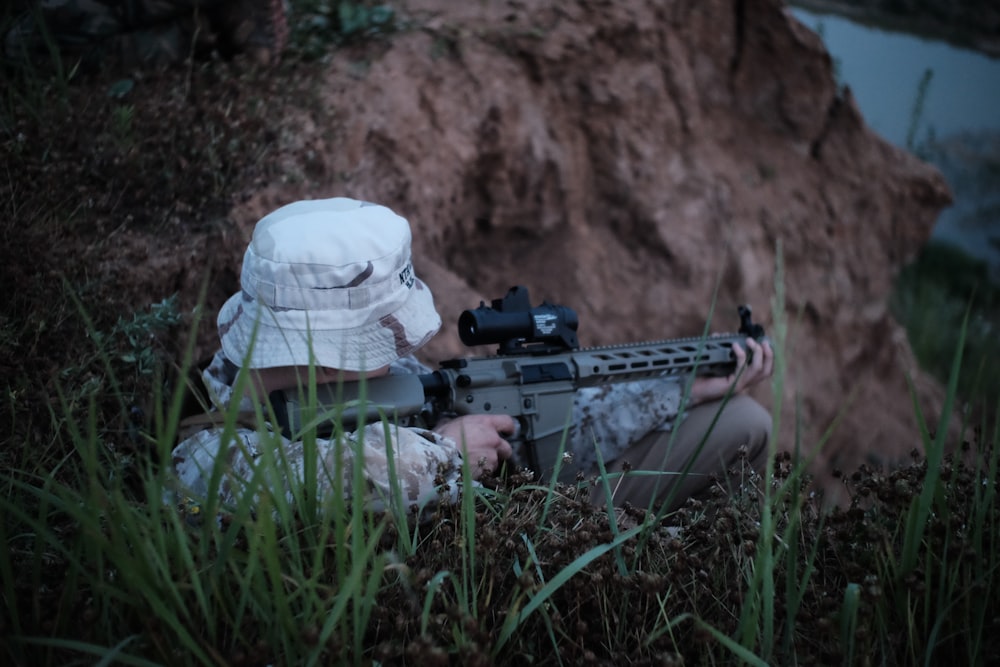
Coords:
pixel 746 375
pixel 421 461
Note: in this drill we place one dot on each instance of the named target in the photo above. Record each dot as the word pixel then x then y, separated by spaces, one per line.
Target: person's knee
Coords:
pixel 754 423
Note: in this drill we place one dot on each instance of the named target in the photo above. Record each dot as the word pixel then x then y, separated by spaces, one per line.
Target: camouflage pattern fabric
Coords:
pixel 423 459
pixel 146 32
pixel 614 417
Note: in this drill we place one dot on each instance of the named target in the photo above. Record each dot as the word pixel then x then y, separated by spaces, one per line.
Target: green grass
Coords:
pixel 933 295
pixel 97 568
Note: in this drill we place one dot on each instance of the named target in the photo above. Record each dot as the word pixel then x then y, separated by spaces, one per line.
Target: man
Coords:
pixel 329 284
pixel 147 33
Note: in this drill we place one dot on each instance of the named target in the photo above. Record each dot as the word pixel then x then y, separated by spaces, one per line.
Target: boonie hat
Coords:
pixel 328 282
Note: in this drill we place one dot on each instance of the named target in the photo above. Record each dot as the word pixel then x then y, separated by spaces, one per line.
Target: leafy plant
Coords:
pixel 122 129
pixel 931 297
pixel 322 23
pixel 141 334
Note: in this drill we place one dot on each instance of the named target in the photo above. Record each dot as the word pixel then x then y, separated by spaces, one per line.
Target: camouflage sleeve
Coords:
pixel 423 461
pixel 426 465
pixel 616 416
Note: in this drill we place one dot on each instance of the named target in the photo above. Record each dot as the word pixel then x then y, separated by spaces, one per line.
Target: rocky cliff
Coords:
pixel 629 159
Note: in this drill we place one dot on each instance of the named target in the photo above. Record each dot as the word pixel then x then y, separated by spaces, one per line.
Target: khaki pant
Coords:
pixel 743 429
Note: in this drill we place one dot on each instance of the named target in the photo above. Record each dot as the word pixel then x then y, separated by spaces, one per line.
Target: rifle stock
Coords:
pixel 532 378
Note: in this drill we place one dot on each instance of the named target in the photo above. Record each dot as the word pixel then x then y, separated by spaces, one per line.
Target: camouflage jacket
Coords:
pixel 610 418
pixel 423 459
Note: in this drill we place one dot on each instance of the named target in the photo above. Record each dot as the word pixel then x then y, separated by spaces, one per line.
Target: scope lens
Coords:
pixel 468 328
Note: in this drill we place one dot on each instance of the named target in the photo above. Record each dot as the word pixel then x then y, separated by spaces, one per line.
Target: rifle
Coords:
pixel 537 368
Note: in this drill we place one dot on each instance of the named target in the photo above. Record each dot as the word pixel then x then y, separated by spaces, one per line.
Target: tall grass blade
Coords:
pixel 741 652
pixel 107 656
pixel 757 616
pixel 514 621
pixel 849 620
pixel 931 492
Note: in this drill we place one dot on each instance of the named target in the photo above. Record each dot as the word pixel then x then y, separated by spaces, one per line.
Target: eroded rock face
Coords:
pixel 628 159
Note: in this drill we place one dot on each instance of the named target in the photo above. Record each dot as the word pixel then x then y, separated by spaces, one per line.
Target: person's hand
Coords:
pixel 759 369
pixel 481 439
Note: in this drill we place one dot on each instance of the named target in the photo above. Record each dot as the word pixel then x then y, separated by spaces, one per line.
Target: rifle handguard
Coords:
pixel 533 377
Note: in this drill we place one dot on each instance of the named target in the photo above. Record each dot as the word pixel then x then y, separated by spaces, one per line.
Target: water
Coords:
pixel 939 101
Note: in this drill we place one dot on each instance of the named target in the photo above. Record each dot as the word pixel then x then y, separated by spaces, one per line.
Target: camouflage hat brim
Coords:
pixel 256 336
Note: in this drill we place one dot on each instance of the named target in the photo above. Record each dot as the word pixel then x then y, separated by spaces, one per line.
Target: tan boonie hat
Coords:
pixel 328 281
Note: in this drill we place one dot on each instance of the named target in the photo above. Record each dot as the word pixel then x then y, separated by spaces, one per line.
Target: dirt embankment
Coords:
pixel 627 158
